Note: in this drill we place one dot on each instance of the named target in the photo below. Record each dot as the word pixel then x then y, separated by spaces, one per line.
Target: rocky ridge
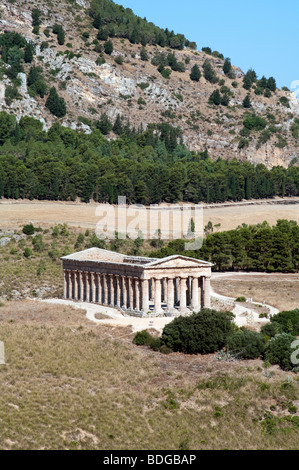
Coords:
pixel 91 89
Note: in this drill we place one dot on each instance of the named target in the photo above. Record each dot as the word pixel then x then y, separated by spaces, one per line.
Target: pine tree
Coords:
pixel 102 34
pixel 215 98
pixel 108 47
pixel 143 54
pixel 28 52
pixel 97 22
pixel 55 104
pixel 271 84
pixel 227 66
pixel 209 72
pixel 246 102
pixel 117 127
pixel 195 73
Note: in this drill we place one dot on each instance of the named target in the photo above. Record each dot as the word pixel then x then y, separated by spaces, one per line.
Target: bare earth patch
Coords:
pixel 14 214
pixel 279 290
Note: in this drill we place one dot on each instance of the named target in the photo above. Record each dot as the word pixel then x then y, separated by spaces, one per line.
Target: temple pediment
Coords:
pixel 178 261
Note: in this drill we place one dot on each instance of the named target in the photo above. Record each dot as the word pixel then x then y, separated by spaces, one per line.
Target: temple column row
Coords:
pixel 133 293
pixel 107 289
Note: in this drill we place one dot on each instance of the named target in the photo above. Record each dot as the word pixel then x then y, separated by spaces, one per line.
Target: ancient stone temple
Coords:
pixel 141 286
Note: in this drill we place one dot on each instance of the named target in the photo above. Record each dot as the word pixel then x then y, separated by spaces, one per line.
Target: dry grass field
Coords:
pixel 70 384
pixel 14 214
pixel 279 290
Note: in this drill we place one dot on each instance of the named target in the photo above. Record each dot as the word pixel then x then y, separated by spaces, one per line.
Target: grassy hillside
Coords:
pixel 71 385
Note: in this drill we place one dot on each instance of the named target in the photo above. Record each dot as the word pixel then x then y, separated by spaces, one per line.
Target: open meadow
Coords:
pixel 14 214
pixel 70 384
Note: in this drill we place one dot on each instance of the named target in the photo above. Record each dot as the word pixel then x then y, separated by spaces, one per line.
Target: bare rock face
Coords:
pixel 136 90
pixel 83 3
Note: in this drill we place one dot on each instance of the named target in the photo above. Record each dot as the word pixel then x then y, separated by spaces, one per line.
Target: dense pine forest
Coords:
pixel 252 248
pixel 146 166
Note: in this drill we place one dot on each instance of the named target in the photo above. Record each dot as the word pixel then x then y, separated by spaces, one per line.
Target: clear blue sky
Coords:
pixel 262 34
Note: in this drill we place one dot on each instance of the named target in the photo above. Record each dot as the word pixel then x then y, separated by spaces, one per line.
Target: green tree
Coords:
pixel 56 104
pixel 227 66
pixel 246 102
pixel 195 73
pixel 201 333
pixel 143 54
pixel 215 98
pixel 108 47
pixel 28 52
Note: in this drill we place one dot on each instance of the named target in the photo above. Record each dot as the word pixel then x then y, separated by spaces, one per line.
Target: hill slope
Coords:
pixel 131 82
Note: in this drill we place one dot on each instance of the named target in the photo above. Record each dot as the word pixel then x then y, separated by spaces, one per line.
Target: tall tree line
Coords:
pixel 147 167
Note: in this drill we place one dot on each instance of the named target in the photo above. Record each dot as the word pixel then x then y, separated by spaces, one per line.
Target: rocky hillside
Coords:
pixel 131 82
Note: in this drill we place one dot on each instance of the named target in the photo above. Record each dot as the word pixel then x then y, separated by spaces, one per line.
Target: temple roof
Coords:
pixel 100 255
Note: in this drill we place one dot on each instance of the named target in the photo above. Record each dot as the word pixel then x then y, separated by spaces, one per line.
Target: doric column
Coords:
pixel 145 295
pixel 71 288
pixel 76 286
pixel 131 292
pixel 200 292
pixel 106 288
pixel 194 298
pixel 207 293
pixel 101 289
pixel 93 287
pixel 125 292
pixel 158 308
pixel 81 286
pixel 65 284
pixel 118 290
pixel 183 293
pixel 112 288
pixel 137 294
pixel 170 294
pixel 88 286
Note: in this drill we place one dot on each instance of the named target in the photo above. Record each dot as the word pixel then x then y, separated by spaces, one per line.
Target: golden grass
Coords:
pixel 14 214
pixel 278 290
pixel 85 386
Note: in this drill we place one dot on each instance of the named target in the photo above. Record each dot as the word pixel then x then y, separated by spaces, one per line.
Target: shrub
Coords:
pixel 195 73
pixel 108 47
pixel 204 332
pixel 28 229
pixel 240 299
pixel 27 252
pixel 279 351
pixel 288 320
pixel 246 343
pixel 156 343
pixel 142 337
pixel 254 122
pixel 165 73
pixel 119 59
pixel 215 98
pixel 284 101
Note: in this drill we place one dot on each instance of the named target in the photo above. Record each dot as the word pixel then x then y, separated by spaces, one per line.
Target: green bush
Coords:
pixel 204 332
pixel 253 122
pixel 156 343
pixel 246 344
pixel 142 337
pixel 241 299
pixel 289 321
pixel 279 351
pixel 27 252
pixel 28 229
pixel 271 329
pixel 119 59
